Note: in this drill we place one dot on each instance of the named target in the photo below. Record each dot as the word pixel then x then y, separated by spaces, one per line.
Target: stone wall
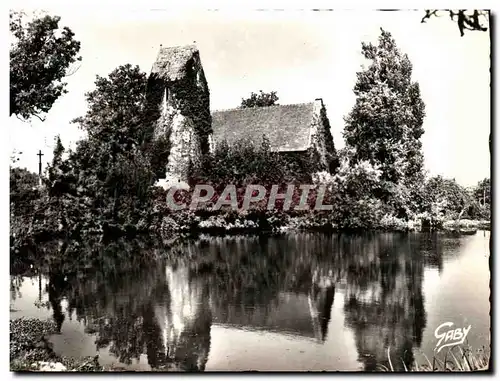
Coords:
pixel 179 102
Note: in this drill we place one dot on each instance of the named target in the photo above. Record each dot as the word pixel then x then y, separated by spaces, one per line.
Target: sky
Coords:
pixel 302 55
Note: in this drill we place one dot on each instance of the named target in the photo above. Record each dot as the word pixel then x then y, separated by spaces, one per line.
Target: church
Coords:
pixel 179 102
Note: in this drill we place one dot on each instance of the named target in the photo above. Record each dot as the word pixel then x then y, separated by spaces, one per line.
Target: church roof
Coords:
pixel 171 62
pixel 287 127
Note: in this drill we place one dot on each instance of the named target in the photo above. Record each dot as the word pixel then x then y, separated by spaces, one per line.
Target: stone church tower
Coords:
pixel 179 103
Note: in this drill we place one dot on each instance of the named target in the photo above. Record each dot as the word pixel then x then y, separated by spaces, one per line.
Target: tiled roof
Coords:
pixel 288 127
pixel 171 62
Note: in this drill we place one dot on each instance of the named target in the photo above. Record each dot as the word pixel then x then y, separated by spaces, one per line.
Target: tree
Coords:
pixel 260 100
pixel 114 160
pixel 24 193
pixel 21 181
pixel 58 151
pixel 385 124
pixel 466 20
pixel 445 197
pixel 482 192
pixel 116 106
pixel 103 186
pixel 40 55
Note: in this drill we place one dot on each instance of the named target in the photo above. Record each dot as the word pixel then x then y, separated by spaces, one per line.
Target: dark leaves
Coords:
pixel 40 55
pixel 466 20
pixel 261 99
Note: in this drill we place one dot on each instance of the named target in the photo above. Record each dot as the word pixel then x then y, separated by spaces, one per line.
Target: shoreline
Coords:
pixel 31 351
pixel 302 225
pixel 171 231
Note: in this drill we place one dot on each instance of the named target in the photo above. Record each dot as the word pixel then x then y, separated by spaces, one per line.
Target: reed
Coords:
pixel 458 358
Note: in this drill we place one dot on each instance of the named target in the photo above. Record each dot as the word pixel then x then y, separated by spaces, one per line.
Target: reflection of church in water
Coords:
pixel 180 323
pixel 179 328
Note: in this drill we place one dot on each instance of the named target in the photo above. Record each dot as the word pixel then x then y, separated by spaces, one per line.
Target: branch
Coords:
pixel 464 21
pixel 73 71
pixel 41 119
pixel 428 14
pixel 21 119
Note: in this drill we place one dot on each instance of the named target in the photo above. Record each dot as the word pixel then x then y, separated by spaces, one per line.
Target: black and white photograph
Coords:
pixel 235 190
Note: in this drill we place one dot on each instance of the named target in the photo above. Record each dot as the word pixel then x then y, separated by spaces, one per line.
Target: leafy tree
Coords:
pixel 113 163
pixel 21 181
pixel 58 150
pixel 466 20
pixel 103 186
pixel 116 107
pixel 244 163
pixel 445 197
pixel 354 188
pixel 24 195
pixel 385 124
pixel 482 192
pixel 261 99
pixel 40 55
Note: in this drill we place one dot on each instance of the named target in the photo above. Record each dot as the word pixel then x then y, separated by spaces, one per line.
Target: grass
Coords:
pixel 457 359
pixel 30 349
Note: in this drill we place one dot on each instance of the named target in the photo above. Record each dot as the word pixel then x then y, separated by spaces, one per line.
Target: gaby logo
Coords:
pixel 449 337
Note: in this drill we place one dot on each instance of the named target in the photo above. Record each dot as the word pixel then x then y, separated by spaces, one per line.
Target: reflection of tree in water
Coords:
pixel 321 301
pixel 384 302
pixel 56 288
pixel 16 281
pixel 437 246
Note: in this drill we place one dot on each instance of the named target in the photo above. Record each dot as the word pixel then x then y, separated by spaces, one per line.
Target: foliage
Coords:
pixel 243 163
pixel 15 156
pixel 157 152
pixel 447 199
pixel 24 196
pixel 260 99
pixel 482 192
pixel 480 204
pixel 385 124
pixel 30 350
pixel 22 184
pixel 104 185
pixel 111 166
pixel 466 20
pixel 460 359
pixel 116 108
pixel 40 55
pixel 352 190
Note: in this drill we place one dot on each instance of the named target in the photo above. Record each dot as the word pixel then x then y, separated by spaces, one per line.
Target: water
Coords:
pixel 294 302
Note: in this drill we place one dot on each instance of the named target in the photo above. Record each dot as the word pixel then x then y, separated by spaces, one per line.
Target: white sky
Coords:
pixel 302 55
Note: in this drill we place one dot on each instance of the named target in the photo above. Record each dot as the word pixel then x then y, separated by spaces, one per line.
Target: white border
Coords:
pixel 186 5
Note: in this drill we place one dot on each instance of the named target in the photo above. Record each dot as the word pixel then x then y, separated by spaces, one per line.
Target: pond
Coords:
pixel 302 301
